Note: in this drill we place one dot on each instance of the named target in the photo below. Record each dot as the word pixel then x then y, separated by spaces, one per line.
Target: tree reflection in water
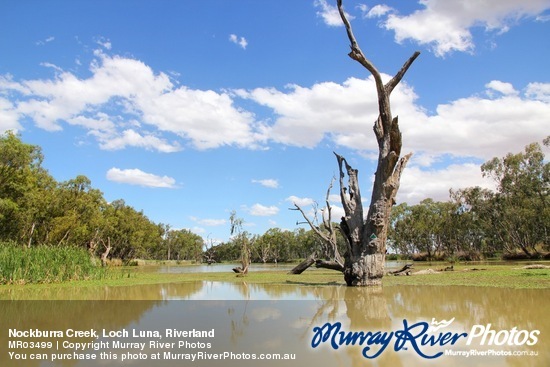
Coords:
pixel 280 318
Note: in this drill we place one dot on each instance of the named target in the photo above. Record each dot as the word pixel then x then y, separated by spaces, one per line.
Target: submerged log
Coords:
pixel 301 267
pixel 332 265
pixel 405 270
pixel 240 270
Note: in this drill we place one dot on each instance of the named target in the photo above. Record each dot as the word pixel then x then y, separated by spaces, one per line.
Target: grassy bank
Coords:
pixel 501 276
pixel 42 264
pixel 37 266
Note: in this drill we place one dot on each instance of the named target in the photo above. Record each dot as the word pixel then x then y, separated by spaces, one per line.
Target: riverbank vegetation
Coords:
pixel 510 276
pixel 36 210
pixel 43 264
pixel 512 223
pixel 39 215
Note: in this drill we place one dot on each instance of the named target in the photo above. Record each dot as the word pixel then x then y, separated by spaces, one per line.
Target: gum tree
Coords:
pixel 365 237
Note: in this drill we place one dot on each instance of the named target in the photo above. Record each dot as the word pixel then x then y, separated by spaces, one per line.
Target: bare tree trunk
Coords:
pixel 328 238
pixel 364 264
pixel 106 252
pixel 301 267
pixel 30 235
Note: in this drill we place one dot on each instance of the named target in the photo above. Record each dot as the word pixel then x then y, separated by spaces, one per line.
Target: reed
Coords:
pixel 44 264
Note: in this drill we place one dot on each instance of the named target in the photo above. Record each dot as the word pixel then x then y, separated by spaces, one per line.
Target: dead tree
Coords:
pixel 209 255
pixel 107 246
pixel 366 237
pixel 364 264
pixel 242 238
pixel 331 258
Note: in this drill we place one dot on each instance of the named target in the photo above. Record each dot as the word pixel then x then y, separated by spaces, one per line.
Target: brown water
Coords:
pixel 252 318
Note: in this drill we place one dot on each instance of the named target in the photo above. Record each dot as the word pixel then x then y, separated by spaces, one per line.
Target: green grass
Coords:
pixel 502 276
pixel 43 264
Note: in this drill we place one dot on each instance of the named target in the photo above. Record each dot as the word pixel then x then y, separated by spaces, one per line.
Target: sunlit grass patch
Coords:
pixel 19 265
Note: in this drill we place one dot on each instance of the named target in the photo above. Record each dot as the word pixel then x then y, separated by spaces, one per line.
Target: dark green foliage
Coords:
pixel 35 210
pixel 513 221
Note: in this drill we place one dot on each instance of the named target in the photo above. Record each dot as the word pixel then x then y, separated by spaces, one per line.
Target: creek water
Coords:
pixel 255 319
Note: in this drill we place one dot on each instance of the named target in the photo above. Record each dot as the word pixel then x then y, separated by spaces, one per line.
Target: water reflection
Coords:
pixel 280 318
pixel 227 268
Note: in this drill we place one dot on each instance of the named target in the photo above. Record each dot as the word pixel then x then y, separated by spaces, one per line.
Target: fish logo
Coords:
pixel 439 325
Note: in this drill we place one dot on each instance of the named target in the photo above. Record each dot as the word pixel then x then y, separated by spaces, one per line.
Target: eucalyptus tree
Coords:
pixel 25 191
pixel 521 205
pixel 183 245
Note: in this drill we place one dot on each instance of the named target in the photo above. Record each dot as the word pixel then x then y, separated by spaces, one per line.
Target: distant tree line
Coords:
pixel 37 210
pixel 512 222
pixel 274 246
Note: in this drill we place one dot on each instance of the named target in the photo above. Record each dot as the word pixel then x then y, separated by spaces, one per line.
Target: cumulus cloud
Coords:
pixel 241 41
pixel 271 183
pixel 446 25
pixel 473 126
pixel 262 210
pixel 131 138
pixel 301 202
pixel 120 87
pixel 329 13
pixel 336 212
pixel 307 115
pixel 500 87
pixel 138 177
pixel 418 184
pixel 490 123
pixel 539 91
pixel 9 117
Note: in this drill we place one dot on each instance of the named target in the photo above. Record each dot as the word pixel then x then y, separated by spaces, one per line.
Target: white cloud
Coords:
pixel 334 198
pixel 209 222
pixel 271 183
pixel 105 43
pixel 446 25
pixel 198 230
pixel 330 13
pixel 336 212
pixel 306 115
pixel 468 127
pixel 539 91
pixel 131 138
pixel 379 11
pixel 479 127
pixel 301 202
pixel 122 86
pixel 52 66
pixel 418 184
pixel 241 41
pixel 262 210
pixel 501 87
pixel 47 40
pixel 138 177
pixel 9 117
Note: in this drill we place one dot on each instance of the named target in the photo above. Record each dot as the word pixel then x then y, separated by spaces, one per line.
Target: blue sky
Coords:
pixel 188 110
